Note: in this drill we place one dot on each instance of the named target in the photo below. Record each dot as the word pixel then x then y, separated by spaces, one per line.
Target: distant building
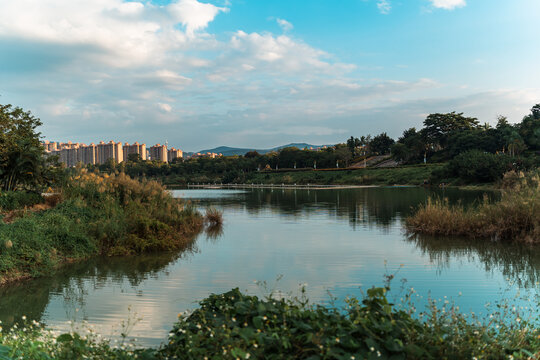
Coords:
pixel 72 154
pixel 158 152
pixel 135 148
pixel 110 150
pixel 208 154
pixel 173 153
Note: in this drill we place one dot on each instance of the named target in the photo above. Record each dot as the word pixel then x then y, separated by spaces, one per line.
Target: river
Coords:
pixel 334 241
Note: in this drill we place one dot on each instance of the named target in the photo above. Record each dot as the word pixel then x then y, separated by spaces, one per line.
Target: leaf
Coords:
pixel 257 322
pixel 64 338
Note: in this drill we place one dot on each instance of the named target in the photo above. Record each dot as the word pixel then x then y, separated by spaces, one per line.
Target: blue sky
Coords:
pixel 257 73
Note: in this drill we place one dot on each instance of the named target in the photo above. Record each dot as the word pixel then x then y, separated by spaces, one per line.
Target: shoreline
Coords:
pixel 215 186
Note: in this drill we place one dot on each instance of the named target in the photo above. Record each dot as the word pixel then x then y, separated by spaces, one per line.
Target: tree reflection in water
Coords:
pixel 517 262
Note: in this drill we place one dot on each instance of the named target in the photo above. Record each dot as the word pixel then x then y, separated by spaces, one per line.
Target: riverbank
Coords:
pixel 404 175
pixel 234 325
pixel 96 215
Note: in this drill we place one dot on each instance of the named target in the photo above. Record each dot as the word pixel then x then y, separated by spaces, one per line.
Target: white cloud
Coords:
pixel 384 6
pixel 448 4
pixel 194 15
pixel 121 33
pixel 165 107
pixel 284 24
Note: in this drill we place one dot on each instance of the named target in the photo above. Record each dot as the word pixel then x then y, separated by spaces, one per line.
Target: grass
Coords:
pixel 405 175
pixel 99 215
pixel 516 217
pixel 213 217
pixel 234 325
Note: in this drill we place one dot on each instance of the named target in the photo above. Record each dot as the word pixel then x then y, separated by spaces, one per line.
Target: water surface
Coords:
pixel 336 241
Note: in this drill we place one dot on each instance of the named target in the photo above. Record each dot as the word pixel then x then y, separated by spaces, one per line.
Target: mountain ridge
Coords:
pixel 230 151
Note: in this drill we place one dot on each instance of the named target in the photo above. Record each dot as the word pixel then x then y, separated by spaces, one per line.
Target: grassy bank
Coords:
pixel 96 215
pixel 405 175
pixel 234 325
pixel 515 217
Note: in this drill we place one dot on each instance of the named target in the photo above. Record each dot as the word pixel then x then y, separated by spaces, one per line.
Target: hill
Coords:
pixel 229 151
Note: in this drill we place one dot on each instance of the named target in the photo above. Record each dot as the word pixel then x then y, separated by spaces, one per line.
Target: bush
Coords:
pixel 11 200
pixel 477 166
pixel 101 214
pixel 515 217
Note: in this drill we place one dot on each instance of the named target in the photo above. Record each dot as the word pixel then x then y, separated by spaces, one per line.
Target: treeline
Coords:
pixel 473 153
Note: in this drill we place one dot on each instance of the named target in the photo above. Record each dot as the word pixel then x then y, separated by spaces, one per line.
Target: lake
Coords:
pixel 334 241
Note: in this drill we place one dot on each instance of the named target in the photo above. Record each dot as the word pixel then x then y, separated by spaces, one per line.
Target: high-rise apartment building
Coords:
pixel 135 148
pixel 173 153
pixel 158 152
pixel 110 150
pixel 72 154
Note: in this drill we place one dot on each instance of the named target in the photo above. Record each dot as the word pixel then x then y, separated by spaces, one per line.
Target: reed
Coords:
pixel 213 217
pixel 516 217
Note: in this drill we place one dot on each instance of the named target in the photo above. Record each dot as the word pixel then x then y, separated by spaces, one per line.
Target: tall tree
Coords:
pixel 23 163
pixel 381 144
pixel 438 127
pixel 529 129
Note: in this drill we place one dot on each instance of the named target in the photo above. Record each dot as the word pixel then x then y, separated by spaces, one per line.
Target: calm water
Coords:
pixel 335 241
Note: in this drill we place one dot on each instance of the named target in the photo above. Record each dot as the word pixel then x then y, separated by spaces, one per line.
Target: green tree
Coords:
pixel 438 127
pixel 23 162
pixel 529 129
pixel 381 144
pixel 352 144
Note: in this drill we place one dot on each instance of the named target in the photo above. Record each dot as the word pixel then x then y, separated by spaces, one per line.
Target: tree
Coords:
pixel 252 154
pixel 381 144
pixel 529 129
pixel 23 162
pixel 438 127
pixel 352 144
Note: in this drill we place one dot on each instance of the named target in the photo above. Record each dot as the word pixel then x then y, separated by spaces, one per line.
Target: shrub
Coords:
pixel 477 166
pixel 11 200
pixel 515 217
pixel 101 214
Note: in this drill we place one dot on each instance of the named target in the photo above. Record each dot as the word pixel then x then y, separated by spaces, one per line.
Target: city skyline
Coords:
pixel 259 74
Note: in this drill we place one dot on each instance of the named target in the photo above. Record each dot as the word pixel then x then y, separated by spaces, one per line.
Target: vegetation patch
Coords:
pixel 515 217
pixel 100 215
pixel 234 325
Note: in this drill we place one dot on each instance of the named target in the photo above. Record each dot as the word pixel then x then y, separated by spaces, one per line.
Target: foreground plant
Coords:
pixel 234 325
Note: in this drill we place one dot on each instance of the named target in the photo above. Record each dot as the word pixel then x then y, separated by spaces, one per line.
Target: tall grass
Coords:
pixel 515 217
pixel 100 215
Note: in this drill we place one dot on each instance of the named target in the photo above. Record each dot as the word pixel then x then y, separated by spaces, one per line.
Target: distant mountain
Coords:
pixel 230 151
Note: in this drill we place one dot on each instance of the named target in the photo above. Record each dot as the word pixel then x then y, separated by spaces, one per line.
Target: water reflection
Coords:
pixel 517 262
pixel 74 282
pixel 381 206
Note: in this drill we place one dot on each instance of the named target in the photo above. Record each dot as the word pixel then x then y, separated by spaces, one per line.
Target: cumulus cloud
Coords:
pixel 384 6
pixel 135 71
pixel 284 24
pixel 194 15
pixel 448 4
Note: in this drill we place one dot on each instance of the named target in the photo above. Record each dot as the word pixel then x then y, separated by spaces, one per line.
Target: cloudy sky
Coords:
pixel 257 74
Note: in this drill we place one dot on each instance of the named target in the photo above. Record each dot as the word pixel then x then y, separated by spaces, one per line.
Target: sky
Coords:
pixel 257 74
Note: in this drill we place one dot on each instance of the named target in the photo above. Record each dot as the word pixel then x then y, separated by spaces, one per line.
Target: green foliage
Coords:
pixel 381 144
pixel 234 325
pixel 438 127
pixel 480 167
pixel 23 164
pixel 516 217
pixel 11 200
pixel 105 215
